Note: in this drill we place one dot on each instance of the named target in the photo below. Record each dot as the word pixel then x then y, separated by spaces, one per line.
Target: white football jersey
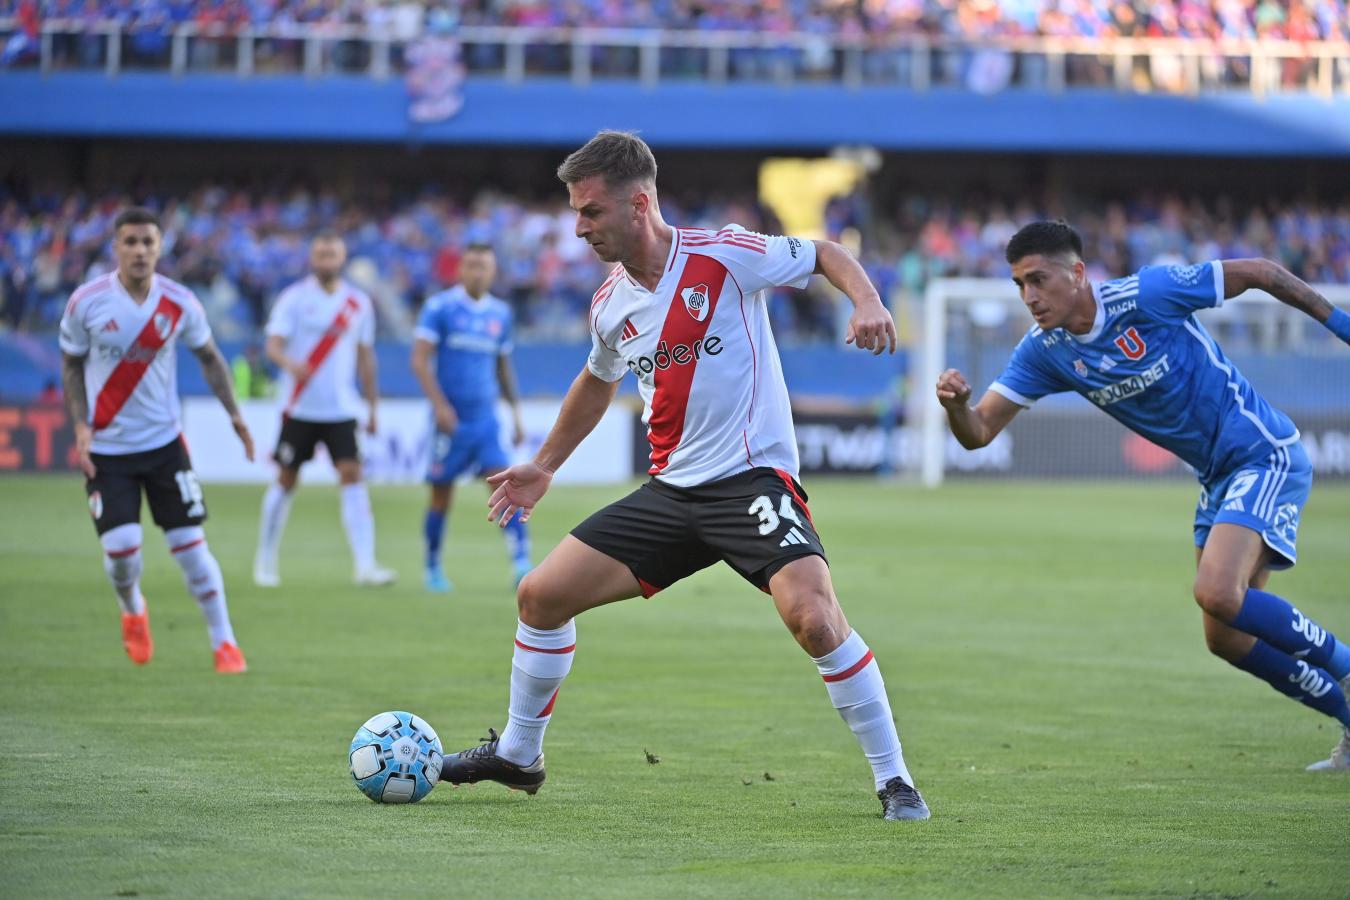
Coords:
pixel 324 329
pixel 130 367
pixel 703 353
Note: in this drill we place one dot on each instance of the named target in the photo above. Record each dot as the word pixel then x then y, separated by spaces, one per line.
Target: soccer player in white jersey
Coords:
pixel 321 334
pixel 118 335
pixel 1133 347
pixel 685 311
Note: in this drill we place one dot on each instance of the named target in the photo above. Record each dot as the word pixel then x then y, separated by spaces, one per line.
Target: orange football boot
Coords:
pixel 136 637
pixel 229 661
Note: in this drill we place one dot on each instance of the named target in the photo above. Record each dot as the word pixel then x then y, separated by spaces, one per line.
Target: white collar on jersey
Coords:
pixel 1098 323
pixel 341 288
pixel 126 294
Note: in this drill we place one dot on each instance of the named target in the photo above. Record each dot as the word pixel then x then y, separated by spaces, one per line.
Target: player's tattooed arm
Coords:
pixel 77 405
pixel 871 326
pixel 1243 274
pixel 217 375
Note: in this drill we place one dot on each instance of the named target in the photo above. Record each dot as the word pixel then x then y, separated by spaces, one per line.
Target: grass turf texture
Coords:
pixel 1043 657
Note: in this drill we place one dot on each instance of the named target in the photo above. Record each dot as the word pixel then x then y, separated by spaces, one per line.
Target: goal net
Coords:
pixel 973 324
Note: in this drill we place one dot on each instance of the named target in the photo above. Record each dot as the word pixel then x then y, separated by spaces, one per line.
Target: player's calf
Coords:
pixel 201 575
pixel 122 561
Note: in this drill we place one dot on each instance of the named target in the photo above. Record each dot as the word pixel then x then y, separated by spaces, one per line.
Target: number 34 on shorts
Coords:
pixel 771 520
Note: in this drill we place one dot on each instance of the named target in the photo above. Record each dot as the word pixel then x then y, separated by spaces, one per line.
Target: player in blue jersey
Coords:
pixel 467 332
pixel 1133 347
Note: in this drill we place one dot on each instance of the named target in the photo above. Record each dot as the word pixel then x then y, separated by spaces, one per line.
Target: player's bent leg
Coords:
pixel 1263 634
pixel 201 574
pixel 276 509
pixel 573 578
pixel 359 523
pixel 122 561
pixel 805 599
pixel 433 532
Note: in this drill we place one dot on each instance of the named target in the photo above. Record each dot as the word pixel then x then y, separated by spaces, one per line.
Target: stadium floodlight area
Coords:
pixel 973 324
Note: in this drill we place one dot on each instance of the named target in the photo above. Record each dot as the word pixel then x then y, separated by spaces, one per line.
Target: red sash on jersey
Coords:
pixel 137 358
pixel 325 345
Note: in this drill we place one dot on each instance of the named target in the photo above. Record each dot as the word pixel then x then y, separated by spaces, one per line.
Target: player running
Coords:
pixel 1133 347
pixel 685 310
pixel 468 331
pixel 321 334
pixel 120 372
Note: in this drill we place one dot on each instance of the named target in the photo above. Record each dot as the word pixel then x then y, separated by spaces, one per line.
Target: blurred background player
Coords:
pixel 1134 348
pixel 469 331
pixel 120 371
pixel 684 310
pixel 321 334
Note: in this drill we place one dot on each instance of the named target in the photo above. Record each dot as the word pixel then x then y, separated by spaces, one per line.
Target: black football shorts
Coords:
pixel 756 522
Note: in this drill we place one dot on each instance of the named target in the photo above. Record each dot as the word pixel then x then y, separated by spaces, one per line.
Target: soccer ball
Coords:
pixel 395 758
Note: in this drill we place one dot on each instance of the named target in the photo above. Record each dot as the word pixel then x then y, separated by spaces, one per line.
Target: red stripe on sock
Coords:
pixel 548 709
pixel 118 554
pixel 567 649
pixel 851 670
pixel 648 589
pixel 207 596
pixel 188 546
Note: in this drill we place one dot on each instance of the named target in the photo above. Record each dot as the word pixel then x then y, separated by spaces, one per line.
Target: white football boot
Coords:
pixel 1340 754
pixel 375 576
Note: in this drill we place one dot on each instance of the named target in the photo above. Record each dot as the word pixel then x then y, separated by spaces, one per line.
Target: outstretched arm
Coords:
pixel 217 375
pixel 1244 274
pixel 521 487
pixel 77 404
pixel 871 326
pixel 977 426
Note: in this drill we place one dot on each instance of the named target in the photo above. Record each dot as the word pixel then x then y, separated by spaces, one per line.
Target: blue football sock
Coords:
pixel 1279 624
pixel 518 541
pixel 1312 686
pixel 433 529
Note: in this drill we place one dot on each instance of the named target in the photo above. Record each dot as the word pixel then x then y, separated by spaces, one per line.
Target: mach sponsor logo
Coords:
pixel 1124 306
pixel 679 355
pixel 1132 386
pixel 1050 339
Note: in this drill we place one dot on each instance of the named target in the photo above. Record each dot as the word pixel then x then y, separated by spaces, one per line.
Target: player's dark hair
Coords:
pixel 479 247
pixel 1044 239
pixel 619 157
pixel 135 215
pixel 328 234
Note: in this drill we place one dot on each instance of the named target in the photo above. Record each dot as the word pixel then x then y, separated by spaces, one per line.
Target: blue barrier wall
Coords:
pixel 556 113
pixel 27 362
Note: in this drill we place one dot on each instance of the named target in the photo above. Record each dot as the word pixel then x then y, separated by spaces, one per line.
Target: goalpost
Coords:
pixel 974 323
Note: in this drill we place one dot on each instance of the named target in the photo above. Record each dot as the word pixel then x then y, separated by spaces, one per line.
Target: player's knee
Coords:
pixel 122 553
pixel 538 604
pixel 816 622
pixel 287 478
pixel 1218 596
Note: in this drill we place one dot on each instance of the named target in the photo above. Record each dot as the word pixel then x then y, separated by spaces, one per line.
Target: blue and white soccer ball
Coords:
pixel 395 758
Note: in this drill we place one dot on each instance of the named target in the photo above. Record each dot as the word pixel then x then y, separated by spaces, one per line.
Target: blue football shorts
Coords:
pixel 476 447
pixel 1266 497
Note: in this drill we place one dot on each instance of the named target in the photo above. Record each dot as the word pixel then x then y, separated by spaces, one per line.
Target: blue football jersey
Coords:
pixel 469 336
pixel 1151 366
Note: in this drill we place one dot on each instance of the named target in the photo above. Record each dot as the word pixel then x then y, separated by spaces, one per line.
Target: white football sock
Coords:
pixel 202 575
pixel 541 662
pixel 858 692
pixel 276 507
pixel 359 522
pixel 122 562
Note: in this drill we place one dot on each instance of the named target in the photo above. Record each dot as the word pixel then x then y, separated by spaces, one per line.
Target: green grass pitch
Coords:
pixel 1044 660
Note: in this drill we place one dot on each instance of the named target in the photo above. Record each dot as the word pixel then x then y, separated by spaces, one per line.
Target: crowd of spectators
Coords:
pixel 146 27
pixel 237 248
pixel 1293 19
